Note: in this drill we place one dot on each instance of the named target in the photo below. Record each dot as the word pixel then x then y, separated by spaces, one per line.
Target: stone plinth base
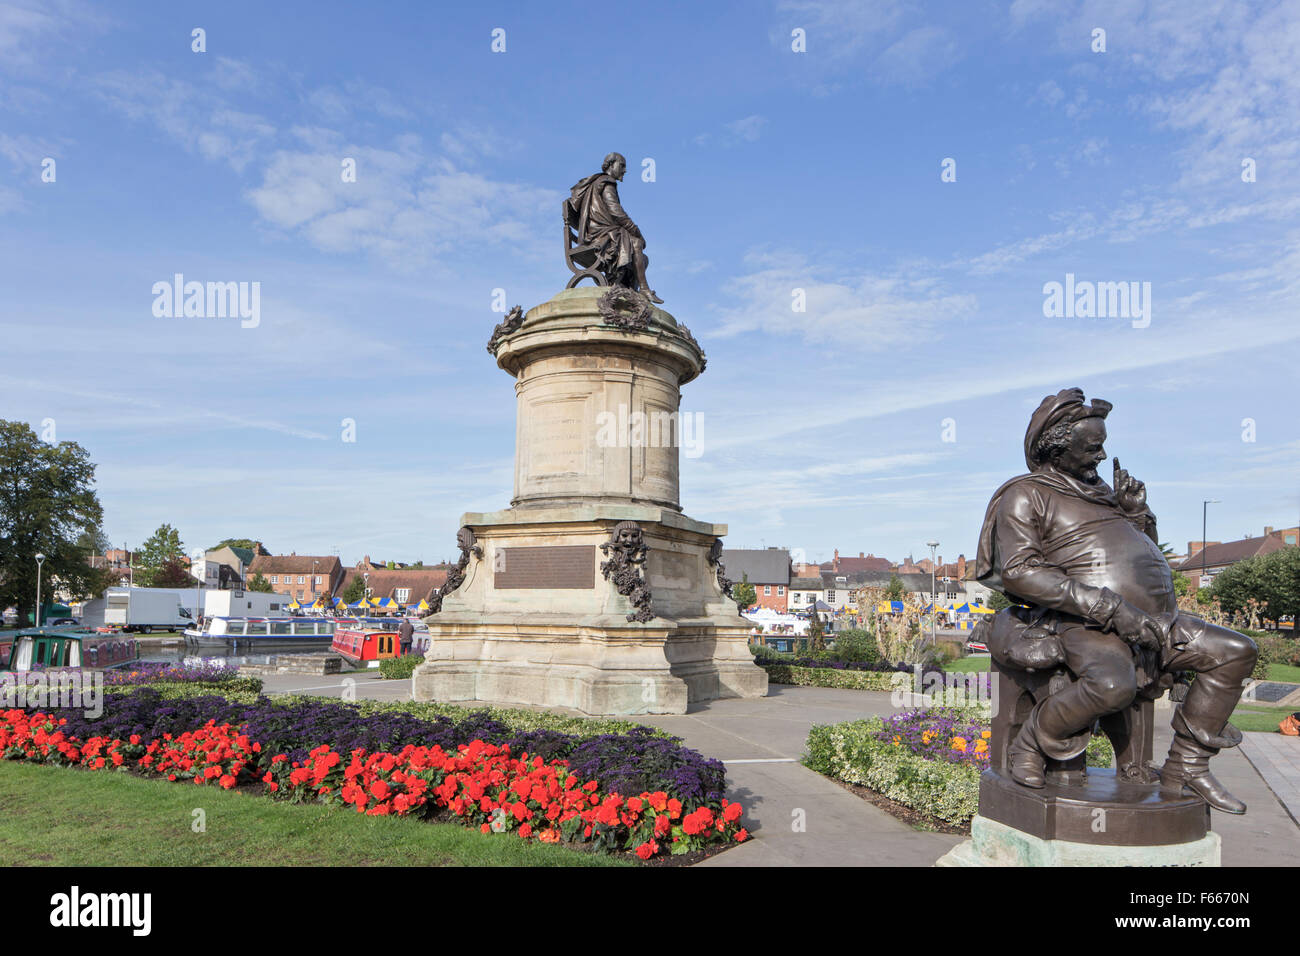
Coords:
pixel 536 623
pixel 996 844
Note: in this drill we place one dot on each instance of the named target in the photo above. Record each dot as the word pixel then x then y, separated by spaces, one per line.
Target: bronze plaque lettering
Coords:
pixel 557 567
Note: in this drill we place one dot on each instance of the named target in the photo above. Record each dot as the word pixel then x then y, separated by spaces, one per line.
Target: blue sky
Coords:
pixel 774 170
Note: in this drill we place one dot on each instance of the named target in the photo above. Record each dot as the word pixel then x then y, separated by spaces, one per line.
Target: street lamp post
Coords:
pixel 934 598
pixel 40 559
pixel 1204 511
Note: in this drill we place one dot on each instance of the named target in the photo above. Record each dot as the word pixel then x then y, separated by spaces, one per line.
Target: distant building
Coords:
pixel 303 576
pixel 767 569
pixel 1201 566
pixel 225 569
pixel 404 585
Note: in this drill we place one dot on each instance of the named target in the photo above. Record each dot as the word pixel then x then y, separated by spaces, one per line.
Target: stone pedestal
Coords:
pixel 1093 818
pixel 533 620
pixel 996 844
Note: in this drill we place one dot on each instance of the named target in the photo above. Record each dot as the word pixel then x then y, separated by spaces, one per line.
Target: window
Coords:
pixel 275 579
pixel 318 580
pixel 780 590
pixel 403 595
pixel 767 590
pixel 300 579
pixel 830 597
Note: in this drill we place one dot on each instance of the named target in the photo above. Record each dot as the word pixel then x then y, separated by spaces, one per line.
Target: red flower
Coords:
pixel 526 830
pixel 647 849
pixel 742 835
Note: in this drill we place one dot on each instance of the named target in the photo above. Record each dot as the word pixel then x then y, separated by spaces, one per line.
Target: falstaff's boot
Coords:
pixel 1025 761
pixel 1201 730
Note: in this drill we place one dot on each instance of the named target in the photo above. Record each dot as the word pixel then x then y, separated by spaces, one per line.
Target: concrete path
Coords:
pixel 761 741
pixel 1277 758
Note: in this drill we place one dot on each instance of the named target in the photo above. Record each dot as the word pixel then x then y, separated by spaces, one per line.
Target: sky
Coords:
pixel 921 172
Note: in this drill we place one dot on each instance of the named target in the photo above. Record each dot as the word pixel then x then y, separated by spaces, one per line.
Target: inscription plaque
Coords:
pixel 558 567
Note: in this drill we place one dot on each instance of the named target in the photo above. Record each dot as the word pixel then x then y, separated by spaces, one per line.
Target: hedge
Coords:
pixel 852 752
pixel 829 677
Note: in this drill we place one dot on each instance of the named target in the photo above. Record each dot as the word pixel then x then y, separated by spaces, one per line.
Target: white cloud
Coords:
pixel 856 311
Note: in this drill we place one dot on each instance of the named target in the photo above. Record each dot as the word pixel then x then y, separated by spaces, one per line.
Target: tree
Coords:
pixel 248 543
pixel 259 583
pixel 162 546
pixel 743 593
pixel 355 590
pixel 47 504
pixel 1272 579
pixel 895 590
pixel 172 574
pixel 998 600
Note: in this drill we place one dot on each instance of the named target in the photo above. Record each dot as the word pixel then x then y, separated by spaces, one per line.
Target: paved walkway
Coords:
pixel 1277 758
pixel 761 741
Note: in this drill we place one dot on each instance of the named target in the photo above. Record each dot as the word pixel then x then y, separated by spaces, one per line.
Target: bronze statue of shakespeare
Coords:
pixel 610 243
pixel 1098 598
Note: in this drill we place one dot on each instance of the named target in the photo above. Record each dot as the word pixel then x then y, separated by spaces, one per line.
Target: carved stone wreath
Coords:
pixel 685 333
pixel 468 544
pixel 715 560
pixel 511 323
pixel 626 549
pixel 625 309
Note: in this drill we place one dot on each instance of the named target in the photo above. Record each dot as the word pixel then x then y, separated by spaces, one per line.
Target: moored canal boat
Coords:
pixel 365 645
pixel 44 648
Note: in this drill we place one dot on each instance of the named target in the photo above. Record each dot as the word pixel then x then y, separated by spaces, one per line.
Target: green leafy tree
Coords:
pixel 47 505
pixel 743 593
pixel 895 590
pixel 355 590
pixel 1272 579
pixel 258 583
pixel 249 543
pixel 998 600
pixel 160 547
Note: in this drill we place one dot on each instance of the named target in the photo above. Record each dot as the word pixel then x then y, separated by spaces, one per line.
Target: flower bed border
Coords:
pixel 478 783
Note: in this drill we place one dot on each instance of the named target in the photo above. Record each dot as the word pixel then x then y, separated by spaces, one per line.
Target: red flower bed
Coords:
pixel 480 784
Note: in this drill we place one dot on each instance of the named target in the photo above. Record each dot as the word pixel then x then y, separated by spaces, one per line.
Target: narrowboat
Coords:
pixel 358 645
pixel 221 631
pixel 49 647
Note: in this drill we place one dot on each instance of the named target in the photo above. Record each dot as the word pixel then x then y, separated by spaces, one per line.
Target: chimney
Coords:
pixel 1268 529
pixel 861 555
pixel 961 567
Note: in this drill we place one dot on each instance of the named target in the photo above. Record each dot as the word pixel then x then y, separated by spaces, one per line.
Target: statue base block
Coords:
pixel 536 623
pixel 996 844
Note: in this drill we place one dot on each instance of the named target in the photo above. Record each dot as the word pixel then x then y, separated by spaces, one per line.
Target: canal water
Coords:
pixel 175 653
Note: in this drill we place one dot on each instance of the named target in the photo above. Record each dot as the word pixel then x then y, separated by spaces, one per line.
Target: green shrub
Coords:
pixel 851 752
pixel 400 668
pixel 855 644
pixel 779 673
pixel 241 686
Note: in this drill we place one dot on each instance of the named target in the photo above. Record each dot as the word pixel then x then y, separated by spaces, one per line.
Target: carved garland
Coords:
pixel 468 545
pixel 685 333
pixel 510 323
pixel 626 549
pixel 715 559
pixel 625 308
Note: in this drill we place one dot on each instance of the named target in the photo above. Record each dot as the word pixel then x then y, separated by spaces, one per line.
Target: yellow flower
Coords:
pixel 959 743
pixel 925 737
pixel 981 746
pixel 897 740
pixel 987 734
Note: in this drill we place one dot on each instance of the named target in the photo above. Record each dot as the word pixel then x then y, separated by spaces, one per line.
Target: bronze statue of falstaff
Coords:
pixel 1083 559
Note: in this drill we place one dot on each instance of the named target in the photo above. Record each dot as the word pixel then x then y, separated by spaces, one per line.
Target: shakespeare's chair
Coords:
pixel 581 259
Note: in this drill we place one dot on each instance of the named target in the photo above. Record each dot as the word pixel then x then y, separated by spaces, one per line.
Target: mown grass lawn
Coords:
pixel 1259 717
pixel 1284 672
pixel 59 816
pixel 969 665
